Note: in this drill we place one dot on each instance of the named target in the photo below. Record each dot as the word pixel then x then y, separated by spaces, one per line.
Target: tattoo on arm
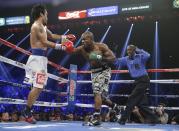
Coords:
pixel 40 30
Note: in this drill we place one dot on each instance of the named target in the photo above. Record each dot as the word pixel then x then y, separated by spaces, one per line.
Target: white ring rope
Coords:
pixel 92 105
pixel 168 81
pixel 37 103
pixel 62 80
pixel 126 95
pixel 23 66
pixel 2 82
pixel 52 104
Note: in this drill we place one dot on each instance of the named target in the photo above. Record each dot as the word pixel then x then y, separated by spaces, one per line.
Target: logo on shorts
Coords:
pixel 41 77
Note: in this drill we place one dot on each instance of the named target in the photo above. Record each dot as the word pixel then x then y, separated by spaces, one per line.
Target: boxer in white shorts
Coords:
pixel 37 62
pixel 36 73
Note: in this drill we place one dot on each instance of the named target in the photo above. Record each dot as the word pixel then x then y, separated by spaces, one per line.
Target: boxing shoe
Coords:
pixel 122 120
pixel 28 117
pixel 94 120
pixel 30 120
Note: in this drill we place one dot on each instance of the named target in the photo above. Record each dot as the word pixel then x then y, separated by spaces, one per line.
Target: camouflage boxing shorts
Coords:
pixel 100 81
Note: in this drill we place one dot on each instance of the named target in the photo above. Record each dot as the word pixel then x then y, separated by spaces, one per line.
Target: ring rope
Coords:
pixel 167 81
pixel 2 83
pixel 66 71
pixel 152 107
pixel 37 103
pixel 125 95
pixel 62 80
pixel 126 71
pixel 52 104
pixel 4 42
pixel 23 66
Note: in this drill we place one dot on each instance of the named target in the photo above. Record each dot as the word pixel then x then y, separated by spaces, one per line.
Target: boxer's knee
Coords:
pixel 104 96
pixel 97 95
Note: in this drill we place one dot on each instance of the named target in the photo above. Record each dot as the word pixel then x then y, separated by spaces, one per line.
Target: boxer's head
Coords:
pixel 39 11
pixel 87 39
pixel 131 50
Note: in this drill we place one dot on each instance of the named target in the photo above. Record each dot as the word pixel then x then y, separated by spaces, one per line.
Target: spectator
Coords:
pixel 14 117
pixel 0 117
pixel 160 111
pixel 69 117
pixel 21 118
pixel 52 116
pixel 5 117
pixel 175 120
pixel 36 115
pixel 137 116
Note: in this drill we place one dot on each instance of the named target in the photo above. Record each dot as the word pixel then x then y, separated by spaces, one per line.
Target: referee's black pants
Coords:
pixel 138 98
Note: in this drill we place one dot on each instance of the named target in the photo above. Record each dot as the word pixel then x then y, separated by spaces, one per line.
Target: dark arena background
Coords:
pixel 67 100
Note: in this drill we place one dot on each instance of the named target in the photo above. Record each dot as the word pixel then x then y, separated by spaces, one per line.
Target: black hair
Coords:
pixel 90 34
pixel 37 10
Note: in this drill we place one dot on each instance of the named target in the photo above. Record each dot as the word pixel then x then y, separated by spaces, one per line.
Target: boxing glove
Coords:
pixel 70 37
pixel 66 46
pixel 95 56
pixel 69 46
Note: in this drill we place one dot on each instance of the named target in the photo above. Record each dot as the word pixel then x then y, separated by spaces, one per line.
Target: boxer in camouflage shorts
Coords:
pixel 99 56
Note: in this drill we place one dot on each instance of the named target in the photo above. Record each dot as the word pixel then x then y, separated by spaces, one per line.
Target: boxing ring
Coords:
pixel 71 101
pixel 71 126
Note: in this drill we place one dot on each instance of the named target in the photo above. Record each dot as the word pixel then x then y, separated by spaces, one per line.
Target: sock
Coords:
pixel 113 106
pixel 96 112
pixel 96 115
pixel 28 111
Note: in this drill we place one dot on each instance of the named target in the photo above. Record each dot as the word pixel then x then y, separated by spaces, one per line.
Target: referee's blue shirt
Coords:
pixel 136 66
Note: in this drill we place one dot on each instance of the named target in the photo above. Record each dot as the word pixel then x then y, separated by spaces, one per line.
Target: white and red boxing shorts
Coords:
pixel 36 73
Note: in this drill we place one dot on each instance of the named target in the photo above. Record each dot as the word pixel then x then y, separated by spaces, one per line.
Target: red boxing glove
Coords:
pixel 69 46
pixel 71 37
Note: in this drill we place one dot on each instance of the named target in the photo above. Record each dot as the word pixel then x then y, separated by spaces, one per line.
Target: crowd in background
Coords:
pixel 84 114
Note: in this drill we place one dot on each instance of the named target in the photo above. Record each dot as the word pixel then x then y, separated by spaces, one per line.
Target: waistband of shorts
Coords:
pixel 39 52
pixel 100 69
pixel 142 77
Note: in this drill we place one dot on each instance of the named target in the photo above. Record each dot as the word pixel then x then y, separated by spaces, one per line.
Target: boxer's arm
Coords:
pixel 39 31
pixel 108 55
pixel 77 50
pixel 70 37
pixel 53 36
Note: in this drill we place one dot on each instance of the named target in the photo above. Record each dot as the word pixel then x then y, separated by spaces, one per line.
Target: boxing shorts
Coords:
pixel 100 80
pixel 36 71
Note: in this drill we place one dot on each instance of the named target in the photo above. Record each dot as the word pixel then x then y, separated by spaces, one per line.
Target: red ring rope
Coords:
pixel 4 42
pixel 66 71
pixel 126 71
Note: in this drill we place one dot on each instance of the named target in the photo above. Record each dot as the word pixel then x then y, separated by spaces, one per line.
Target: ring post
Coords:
pixel 72 87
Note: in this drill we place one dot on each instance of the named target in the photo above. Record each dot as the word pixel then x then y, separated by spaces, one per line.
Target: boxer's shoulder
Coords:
pixel 101 46
pixel 36 26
